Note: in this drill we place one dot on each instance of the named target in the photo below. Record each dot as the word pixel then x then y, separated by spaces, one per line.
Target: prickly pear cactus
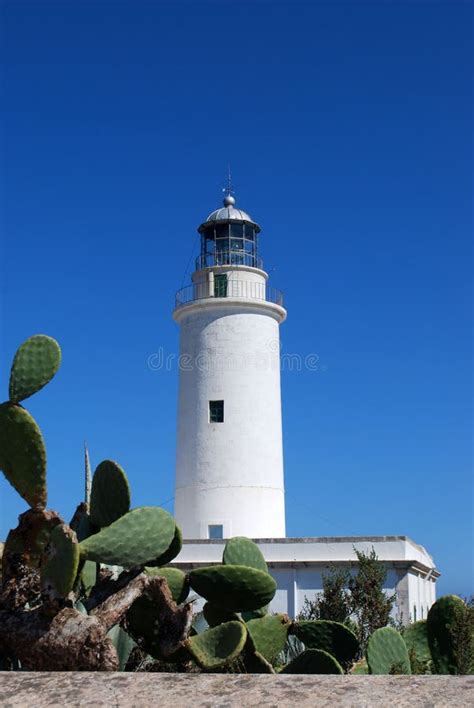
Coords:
pixel 218 646
pixel 35 363
pixel 268 635
pixel 177 581
pixel 23 454
pixel 214 615
pixel 134 539
pixel 233 587
pixel 387 652
pixel 110 494
pixel 313 661
pixel 243 551
pixel 60 562
pixel 332 637
pixel 441 622
pixel 415 637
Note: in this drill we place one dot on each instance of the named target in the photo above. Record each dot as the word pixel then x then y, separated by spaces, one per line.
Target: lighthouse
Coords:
pixel 229 466
pixel 229 460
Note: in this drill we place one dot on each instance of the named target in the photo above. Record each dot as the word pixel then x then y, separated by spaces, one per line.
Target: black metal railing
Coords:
pixel 220 258
pixel 246 289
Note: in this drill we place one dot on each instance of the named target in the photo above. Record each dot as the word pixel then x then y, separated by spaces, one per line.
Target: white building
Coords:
pixel 229 466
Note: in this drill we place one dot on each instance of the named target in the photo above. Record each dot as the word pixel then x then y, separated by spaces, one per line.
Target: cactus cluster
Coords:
pixel 441 644
pixel 73 559
pixel 84 617
pixel 236 626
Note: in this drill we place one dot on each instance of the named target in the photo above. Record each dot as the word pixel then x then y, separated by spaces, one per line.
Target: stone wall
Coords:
pixel 229 690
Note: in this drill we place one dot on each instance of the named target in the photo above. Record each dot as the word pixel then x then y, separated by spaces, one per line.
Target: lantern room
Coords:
pixel 229 236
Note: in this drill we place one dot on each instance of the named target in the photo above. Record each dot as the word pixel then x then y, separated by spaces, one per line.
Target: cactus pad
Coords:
pixel 242 551
pixel 218 646
pixel 35 363
pixel 442 618
pixel 234 587
pixel 177 581
pixel 171 552
pixel 60 562
pixel 215 615
pixel 23 454
pixel 110 494
pixel 313 661
pixel 269 634
pixel 332 637
pixel 88 577
pixel 415 637
pixel 387 652
pixel 255 663
pixel 133 539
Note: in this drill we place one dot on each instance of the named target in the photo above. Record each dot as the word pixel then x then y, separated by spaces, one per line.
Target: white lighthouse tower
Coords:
pixel 229 466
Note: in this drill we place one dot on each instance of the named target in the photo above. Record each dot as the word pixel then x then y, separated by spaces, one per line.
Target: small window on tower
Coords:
pixel 216 531
pixel 216 411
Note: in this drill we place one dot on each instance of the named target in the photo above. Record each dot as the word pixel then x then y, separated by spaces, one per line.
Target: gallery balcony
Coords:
pixel 245 289
pixel 223 258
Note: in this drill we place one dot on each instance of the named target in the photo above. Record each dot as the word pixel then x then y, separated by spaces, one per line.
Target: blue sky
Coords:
pixel 347 126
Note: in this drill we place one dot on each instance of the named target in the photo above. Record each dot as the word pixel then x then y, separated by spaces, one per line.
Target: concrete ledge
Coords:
pixel 229 690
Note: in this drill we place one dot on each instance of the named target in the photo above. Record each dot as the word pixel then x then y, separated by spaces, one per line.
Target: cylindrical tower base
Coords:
pixel 229 471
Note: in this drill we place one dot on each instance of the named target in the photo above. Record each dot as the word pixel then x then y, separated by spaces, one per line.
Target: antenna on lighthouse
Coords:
pixel 229 199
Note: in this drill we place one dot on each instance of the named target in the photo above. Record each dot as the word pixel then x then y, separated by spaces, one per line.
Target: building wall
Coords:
pixel 422 595
pixel 298 582
pixel 230 473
